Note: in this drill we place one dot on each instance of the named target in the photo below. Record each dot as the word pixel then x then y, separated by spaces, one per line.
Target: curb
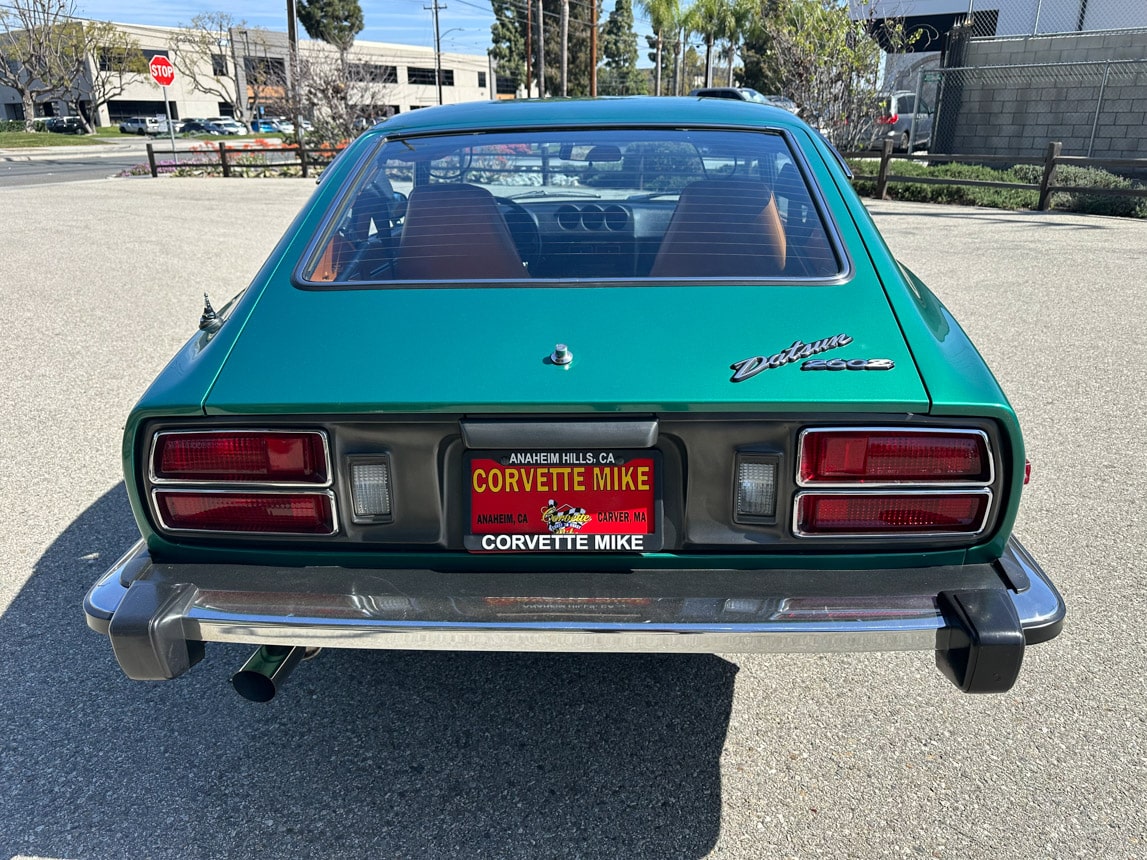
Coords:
pixel 45 153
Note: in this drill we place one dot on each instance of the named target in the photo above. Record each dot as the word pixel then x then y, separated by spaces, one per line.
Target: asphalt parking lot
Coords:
pixel 440 755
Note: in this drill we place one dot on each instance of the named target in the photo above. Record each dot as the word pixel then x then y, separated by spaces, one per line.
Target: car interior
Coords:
pixel 585 206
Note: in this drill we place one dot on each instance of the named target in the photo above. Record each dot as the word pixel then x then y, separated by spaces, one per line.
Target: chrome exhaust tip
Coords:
pixel 265 671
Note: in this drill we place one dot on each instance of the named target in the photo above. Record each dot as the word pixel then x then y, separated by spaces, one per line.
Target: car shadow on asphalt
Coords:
pixel 1026 217
pixel 362 754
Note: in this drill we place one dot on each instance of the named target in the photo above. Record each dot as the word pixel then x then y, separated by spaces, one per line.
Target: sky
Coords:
pixel 464 24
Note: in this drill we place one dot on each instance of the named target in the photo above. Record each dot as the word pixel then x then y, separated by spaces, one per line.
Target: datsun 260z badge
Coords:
pixel 563 501
pixel 747 368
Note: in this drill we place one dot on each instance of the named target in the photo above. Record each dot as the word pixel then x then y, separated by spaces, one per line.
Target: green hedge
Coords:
pixel 18 125
pixel 1002 198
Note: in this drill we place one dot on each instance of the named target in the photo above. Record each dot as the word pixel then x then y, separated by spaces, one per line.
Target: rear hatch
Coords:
pixel 634 349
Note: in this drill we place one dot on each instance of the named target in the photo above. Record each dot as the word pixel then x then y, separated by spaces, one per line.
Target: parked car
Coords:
pixel 163 126
pixel 266 126
pixel 896 118
pixel 140 125
pixel 620 375
pixel 743 94
pixel 65 125
pixel 747 94
pixel 199 127
pixel 211 127
pixel 362 123
pixel 274 125
pixel 227 125
pixel 785 103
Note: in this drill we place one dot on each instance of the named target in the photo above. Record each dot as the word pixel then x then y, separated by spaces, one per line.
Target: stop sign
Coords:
pixel 162 71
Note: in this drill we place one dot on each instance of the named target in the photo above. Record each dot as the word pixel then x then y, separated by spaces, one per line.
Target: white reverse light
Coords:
pixel 370 489
pixel 756 486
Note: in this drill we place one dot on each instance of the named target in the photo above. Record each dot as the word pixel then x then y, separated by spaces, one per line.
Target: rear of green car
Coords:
pixel 630 375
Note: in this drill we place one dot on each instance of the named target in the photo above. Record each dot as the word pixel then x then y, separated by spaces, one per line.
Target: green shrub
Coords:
pixel 1097 204
pixel 1001 198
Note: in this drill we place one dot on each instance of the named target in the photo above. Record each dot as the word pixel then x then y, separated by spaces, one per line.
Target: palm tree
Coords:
pixel 744 12
pixel 665 16
pixel 712 19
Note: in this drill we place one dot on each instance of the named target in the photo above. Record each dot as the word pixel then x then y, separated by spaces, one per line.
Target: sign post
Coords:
pixel 163 73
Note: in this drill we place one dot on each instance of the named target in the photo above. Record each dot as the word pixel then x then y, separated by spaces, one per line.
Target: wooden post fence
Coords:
pixel 1047 184
pixel 882 173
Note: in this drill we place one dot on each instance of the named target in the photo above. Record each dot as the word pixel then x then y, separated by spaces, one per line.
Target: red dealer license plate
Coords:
pixel 564 501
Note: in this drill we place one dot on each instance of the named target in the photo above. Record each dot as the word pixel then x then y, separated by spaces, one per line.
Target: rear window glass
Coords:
pixel 592 205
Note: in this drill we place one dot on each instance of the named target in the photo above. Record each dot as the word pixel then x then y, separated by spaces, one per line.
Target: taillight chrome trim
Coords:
pixel 858 485
pixel 154 480
pixel 246 490
pixel 891 535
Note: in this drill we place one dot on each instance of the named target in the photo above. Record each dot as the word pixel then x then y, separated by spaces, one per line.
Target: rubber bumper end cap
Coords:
pixel 146 632
pixel 985 646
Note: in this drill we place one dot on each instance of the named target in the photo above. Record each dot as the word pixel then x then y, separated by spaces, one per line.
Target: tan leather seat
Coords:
pixel 455 232
pixel 723 228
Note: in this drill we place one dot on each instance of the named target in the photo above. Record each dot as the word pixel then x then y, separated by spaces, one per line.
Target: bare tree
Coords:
pixel 343 92
pixel 112 59
pixel 264 72
pixel 204 54
pixel 830 65
pixel 42 49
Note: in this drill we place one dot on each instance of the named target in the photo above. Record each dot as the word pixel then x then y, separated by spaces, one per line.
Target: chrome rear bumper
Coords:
pixel 977 618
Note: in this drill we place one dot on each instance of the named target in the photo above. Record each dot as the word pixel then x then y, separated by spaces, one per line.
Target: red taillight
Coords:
pixel 278 513
pixel 891 513
pixel 241 456
pixel 888 456
pixel 889 119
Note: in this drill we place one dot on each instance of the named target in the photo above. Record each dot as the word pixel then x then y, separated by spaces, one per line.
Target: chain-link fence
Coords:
pixel 1095 108
pixel 993 92
pixel 1050 17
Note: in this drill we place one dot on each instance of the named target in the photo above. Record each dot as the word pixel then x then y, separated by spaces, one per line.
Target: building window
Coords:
pixel 219 65
pixel 112 59
pixel 481 80
pixel 372 73
pixel 265 70
pixel 416 75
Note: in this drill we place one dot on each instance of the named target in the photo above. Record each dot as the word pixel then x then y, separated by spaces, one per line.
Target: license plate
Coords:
pixel 563 501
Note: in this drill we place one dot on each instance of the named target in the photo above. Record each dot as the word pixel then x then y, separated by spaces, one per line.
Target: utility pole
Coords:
pixel 593 49
pixel 565 46
pixel 529 47
pixel 437 48
pixel 541 52
pixel 296 84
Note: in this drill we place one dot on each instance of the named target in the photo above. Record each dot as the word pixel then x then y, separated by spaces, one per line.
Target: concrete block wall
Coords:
pixel 1015 95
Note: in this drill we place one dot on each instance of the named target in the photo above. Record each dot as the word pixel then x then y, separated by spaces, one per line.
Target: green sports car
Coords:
pixel 609 375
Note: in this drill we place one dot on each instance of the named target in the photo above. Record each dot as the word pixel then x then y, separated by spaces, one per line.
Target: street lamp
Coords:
pixel 438 51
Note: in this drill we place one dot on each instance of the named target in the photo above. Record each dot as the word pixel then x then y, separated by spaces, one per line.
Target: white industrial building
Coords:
pixel 253 67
